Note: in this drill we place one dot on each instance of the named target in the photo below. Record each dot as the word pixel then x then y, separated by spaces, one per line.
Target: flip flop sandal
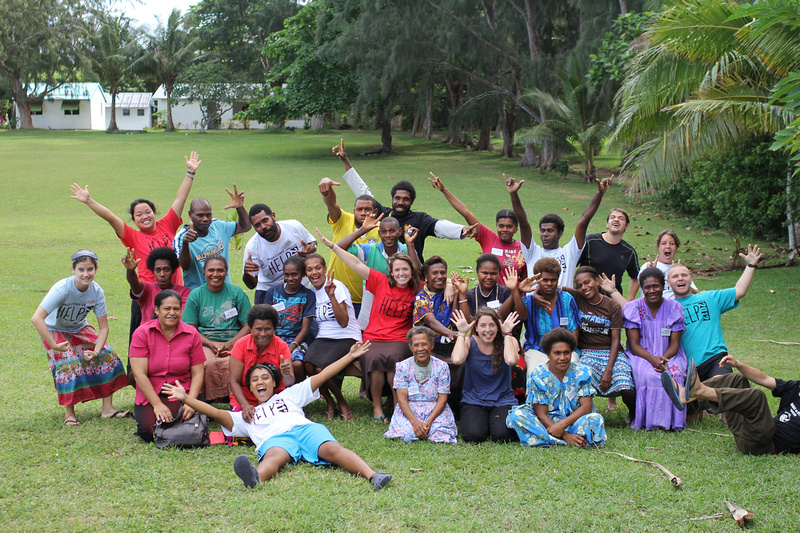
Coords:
pixel 669 386
pixel 119 414
pixel 379 419
pixel 347 417
pixel 691 379
pixel 72 422
pixel 330 415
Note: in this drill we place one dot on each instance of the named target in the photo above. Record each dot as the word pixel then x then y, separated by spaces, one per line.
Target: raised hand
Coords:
pixel 410 234
pixel 461 284
pixel 609 285
pixel 753 254
pixel 339 150
pixel 308 248
pixel 191 233
pixel 237 198
pixel 82 195
pixel 326 184
pixel 436 182
pixel 650 262
pixel 192 162
pixel 510 322
pixel 512 278
pixel 528 284
pixel 330 287
pixel 372 222
pixel 176 392
pixel 512 185
pixel 470 232
pixel 286 365
pixel 460 322
pixel 129 260
pixel 604 184
pixel 327 242
pixel 358 349
pixel 250 266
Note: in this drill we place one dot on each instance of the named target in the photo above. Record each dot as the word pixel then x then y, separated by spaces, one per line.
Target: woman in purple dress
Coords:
pixel 654 326
pixel 423 384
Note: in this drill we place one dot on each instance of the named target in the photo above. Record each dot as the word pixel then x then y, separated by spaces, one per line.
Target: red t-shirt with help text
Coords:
pixel 392 310
pixel 510 255
pixel 245 350
pixel 144 243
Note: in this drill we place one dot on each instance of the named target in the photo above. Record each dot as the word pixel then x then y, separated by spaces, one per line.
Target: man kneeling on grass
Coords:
pixel 281 432
pixel 754 429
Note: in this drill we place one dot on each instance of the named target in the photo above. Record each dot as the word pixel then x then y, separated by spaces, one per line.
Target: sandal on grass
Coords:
pixel 348 416
pixel 691 378
pixel 379 419
pixel 330 414
pixel 119 414
pixel 672 391
pixel 72 422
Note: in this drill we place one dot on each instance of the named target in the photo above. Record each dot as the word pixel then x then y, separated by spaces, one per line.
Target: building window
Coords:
pixel 126 112
pixel 36 108
pixel 71 107
pixel 140 112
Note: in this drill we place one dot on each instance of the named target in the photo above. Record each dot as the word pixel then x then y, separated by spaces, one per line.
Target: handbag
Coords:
pixel 183 434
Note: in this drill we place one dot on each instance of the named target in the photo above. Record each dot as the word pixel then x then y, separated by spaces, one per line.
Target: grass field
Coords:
pixel 101 477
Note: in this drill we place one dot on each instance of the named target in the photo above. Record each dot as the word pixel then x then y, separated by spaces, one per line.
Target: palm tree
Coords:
pixel 704 78
pixel 172 50
pixel 115 49
pixel 578 120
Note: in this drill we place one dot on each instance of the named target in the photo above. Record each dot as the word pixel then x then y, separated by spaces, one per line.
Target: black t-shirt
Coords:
pixel 425 223
pixel 787 421
pixel 610 259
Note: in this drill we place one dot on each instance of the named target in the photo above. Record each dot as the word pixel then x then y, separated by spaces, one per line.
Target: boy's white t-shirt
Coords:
pixel 276 416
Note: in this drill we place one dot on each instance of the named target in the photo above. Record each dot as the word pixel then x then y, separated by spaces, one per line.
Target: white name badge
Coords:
pixel 280 306
pixel 564 321
pixel 413 389
pixel 230 313
pixel 498 252
pixel 494 304
pixel 572 394
pixel 91 302
pixel 665 332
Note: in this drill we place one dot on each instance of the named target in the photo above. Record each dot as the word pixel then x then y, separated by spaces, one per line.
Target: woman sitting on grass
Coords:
pixel 84 366
pixel 219 312
pixel 281 432
pixel 422 383
pixel 654 325
pixel 487 357
pixel 164 350
pixel 559 406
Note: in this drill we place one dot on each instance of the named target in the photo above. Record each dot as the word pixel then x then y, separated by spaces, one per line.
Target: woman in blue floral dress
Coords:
pixel 423 384
pixel 558 409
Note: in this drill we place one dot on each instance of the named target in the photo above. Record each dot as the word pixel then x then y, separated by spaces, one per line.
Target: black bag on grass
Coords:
pixel 187 434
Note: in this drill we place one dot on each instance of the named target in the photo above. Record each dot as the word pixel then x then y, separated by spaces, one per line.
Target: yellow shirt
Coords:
pixel 342 228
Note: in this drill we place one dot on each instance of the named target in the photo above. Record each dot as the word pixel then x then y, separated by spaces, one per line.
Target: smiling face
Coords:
pixel 488 273
pixel 266 226
pixel 261 385
pixel 162 271
pixel 486 329
pixel 143 217
pixel 362 210
pixel 292 276
pixel 506 228
pixel 169 313
pixel 84 274
pixel 215 273
pixel 559 358
pixel 437 277
pixel 653 290
pixel 200 215
pixel 263 332
pixel 667 248
pixel 389 233
pixel 401 272
pixel 680 280
pixel 548 233
pixel 421 347
pixel 401 202
pixel 617 223
pixel 315 272
pixel 586 284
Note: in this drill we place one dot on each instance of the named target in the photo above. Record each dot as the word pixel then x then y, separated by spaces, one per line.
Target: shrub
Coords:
pixel 742 190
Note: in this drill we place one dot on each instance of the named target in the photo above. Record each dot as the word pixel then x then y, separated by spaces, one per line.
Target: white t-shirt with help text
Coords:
pixel 272 255
pixel 567 256
pixel 329 328
pixel 276 416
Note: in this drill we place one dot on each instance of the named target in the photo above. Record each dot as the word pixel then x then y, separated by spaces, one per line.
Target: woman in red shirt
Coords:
pixel 164 350
pixel 389 321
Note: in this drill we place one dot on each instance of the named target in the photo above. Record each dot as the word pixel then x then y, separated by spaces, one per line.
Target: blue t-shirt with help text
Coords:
pixel 216 242
pixel 67 307
pixel 703 337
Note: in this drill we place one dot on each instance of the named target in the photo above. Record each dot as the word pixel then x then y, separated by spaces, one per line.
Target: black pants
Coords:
pixel 479 423
pixel 707 370
pixel 746 411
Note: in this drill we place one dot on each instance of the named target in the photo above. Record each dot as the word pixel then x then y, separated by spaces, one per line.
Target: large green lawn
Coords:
pixel 100 476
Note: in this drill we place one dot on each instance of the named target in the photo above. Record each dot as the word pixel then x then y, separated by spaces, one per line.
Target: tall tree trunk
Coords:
pixel 386 134
pixel 428 125
pixel 510 114
pixel 415 125
pixel 112 123
pixel 529 157
pixel 455 97
pixel 170 125
pixel 485 136
pixel 23 103
pixel 548 158
pixel 623 7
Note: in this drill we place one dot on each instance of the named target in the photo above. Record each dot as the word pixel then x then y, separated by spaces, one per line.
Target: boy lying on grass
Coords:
pixel 279 428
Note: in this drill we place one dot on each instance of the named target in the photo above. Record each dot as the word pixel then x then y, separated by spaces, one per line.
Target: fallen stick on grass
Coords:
pixel 777 342
pixel 707 517
pixel 675 480
pixel 709 433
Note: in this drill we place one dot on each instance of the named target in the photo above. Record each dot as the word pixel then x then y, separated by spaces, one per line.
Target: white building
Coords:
pixel 73 106
pixel 132 110
pixel 186 114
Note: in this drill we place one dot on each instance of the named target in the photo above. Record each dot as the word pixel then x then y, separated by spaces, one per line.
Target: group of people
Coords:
pixel 518 356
